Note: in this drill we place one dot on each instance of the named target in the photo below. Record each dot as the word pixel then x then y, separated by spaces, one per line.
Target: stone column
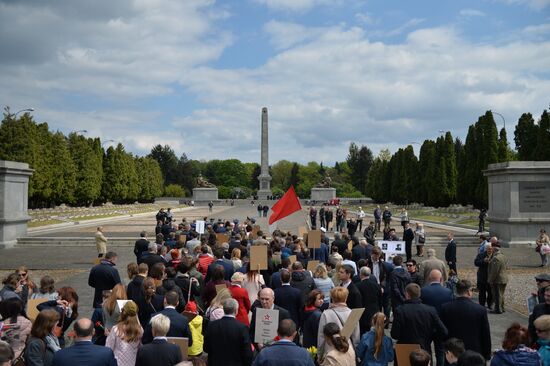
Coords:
pixel 14 192
pixel 264 177
pixel 519 200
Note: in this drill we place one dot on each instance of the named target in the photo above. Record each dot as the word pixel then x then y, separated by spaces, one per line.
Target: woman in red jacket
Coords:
pixel 241 295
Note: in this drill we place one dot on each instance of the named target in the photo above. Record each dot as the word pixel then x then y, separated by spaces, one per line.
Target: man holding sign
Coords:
pixel 267 299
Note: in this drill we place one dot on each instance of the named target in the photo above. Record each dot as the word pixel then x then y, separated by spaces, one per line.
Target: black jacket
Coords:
pixel 399 279
pixel 303 281
pixel 408 235
pixel 179 327
pixel 158 353
pixel 140 247
pixel 354 300
pixel 290 298
pixel 103 276
pixel 468 321
pixel 134 290
pixel 482 268
pixel 416 323
pixel 450 252
pixel 310 327
pixel 235 348
pixel 371 297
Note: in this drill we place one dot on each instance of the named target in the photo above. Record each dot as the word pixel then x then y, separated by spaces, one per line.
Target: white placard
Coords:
pixel 267 321
pixel 199 226
pixel 121 303
pixel 391 248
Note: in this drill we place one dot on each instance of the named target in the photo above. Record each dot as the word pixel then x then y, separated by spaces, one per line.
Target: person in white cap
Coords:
pixel 360 217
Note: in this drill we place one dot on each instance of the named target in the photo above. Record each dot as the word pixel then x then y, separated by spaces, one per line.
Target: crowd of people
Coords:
pixel 201 287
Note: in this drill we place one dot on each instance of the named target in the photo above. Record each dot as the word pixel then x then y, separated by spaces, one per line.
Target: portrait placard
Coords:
pixel 221 238
pixel 403 351
pixel 199 226
pixel 314 239
pixel 32 311
pixel 301 231
pixel 312 265
pixel 267 321
pixel 258 257
pixel 182 343
pixel 391 248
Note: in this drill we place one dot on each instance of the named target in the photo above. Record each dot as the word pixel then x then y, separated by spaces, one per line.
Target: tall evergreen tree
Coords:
pixel 542 150
pixel 503 149
pixel 525 137
pixel 359 160
pixel 168 162
pixel 294 175
pixel 63 169
pixel 427 172
pixel 89 169
pixel 149 178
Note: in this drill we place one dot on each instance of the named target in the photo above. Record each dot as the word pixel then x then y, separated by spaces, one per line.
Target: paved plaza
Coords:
pixel 76 260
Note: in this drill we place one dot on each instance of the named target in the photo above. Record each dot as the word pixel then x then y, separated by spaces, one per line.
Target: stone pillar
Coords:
pixel 519 200
pixel 14 192
pixel 264 177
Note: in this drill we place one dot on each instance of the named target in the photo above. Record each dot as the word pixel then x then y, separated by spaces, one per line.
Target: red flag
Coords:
pixel 287 205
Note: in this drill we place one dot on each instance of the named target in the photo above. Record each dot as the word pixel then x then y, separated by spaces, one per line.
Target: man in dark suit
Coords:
pixel 179 325
pixel 83 351
pixel 467 320
pixel 284 351
pixel 417 323
pixel 141 246
pixel 267 301
pixel 434 294
pixel 227 266
pixel 371 297
pixel 344 275
pixel 151 257
pixel 104 276
pixel 289 298
pixel 159 352
pixel 235 349
pixel 450 252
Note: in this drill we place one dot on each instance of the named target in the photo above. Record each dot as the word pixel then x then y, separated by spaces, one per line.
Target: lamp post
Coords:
pixel 23 110
pixel 81 131
pixel 501 116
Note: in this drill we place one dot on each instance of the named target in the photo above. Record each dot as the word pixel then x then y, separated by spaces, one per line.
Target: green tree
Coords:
pixel 229 173
pixel 149 178
pixel 88 161
pixel 120 179
pixel 359 160
pixel 503 149
pixel 308 176
pixel 63 181
pixel 525 137
pixel 168 162
pixel 280 174
pixel 174 190
pixel 427 167
pixel 294 175
pixel 542 150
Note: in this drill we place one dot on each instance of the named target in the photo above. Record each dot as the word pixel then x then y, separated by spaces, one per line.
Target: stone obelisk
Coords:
pixel 264 177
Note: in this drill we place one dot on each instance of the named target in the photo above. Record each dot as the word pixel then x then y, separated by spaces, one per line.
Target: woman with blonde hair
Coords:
pixel 341 353
pixel 215 310
pixel 375 348
pixel 253 283
pixel 111 311
pixel 27 286
pixel 338 312
pixel 125 337
pixel 322 282
pixel 236 258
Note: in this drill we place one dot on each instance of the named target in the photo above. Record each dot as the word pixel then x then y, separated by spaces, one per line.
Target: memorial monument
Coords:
pixel 204 192
pixel 14 197
pixel 519 200
pixel 323 191
pixel 264 177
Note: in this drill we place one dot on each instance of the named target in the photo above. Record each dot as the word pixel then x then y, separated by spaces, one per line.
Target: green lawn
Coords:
pixel 44 223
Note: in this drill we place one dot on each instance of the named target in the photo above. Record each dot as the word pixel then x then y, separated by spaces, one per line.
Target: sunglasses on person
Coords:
pixel 22 274
pixel 410 265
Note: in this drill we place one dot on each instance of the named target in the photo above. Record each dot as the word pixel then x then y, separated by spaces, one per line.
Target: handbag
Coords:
pixel 20 360
pixel 422 239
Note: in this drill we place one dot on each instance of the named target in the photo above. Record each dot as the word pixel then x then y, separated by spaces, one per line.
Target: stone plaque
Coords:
pixel 534 196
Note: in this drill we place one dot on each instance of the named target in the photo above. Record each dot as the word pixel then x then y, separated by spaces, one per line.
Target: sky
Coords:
pixel 195 74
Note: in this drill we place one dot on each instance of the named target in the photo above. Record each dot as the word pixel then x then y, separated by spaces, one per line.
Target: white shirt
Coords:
pixel 376 271
pixel 361 214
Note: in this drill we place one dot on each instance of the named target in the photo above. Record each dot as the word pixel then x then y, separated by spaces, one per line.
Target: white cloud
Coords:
pixel 471 13
pixel 295 5
pixel 324 86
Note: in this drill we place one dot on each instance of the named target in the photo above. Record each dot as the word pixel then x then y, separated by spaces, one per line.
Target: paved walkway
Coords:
pixel 81 258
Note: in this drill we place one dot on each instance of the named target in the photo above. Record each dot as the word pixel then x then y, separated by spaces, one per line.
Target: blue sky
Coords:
pixel 195 74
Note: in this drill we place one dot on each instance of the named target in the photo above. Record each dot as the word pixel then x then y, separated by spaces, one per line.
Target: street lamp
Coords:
pixel 23 110
pixel 82 131
pixel 501 116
